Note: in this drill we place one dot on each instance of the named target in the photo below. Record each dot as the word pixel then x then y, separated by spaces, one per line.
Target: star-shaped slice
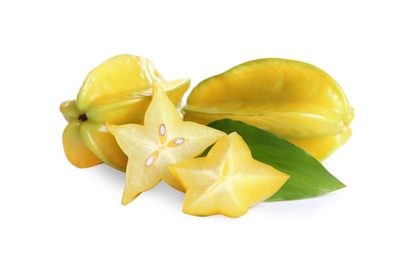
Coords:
pixel 227 181
pixel 163 140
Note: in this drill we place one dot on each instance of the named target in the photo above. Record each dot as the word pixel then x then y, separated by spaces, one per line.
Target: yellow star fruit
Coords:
pixel 164 139
pixel 292 99
pixel 117 91
pixel 227 181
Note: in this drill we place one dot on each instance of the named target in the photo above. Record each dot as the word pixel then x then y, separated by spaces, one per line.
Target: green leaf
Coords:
pixel 308 177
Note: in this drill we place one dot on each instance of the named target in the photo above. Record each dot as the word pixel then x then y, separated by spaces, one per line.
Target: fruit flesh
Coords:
pixel 117 91
pixel 227 181
pixel 164 139
pixel 292 99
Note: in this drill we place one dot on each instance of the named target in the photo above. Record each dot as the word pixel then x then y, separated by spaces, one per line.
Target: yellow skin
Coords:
pixel 227 181
pixel 164 139
pixel 118 91
pixel 292 99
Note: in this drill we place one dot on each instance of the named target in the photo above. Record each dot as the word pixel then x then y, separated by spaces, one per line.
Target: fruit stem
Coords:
pixel 82 117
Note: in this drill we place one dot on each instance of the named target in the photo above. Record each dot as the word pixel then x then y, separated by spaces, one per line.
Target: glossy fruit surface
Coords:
pixel 117 91
pixel 292 99
pixel 164 139
pixel 227 181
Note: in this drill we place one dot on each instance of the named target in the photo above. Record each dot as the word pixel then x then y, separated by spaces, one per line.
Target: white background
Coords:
pixel 52 210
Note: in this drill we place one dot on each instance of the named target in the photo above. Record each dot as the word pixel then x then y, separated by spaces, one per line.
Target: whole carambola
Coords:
pixel 292 99
pixel 118 91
